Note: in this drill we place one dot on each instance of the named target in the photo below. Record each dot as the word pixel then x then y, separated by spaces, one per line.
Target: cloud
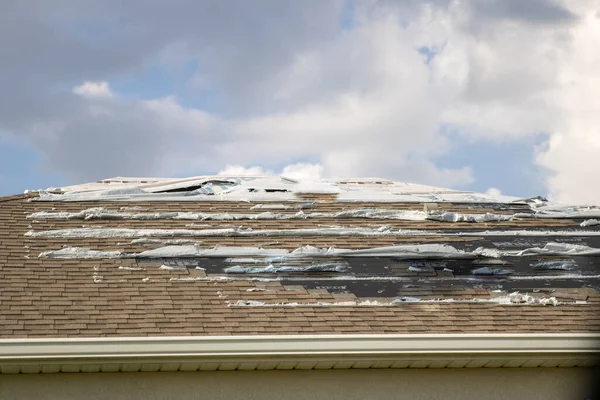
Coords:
pixel 240 170
pixel 291 84
pixel 299 171
pixel 572 153
pixel 574 166
pixel 303 171
pixel 522 80
pixel 494 192
pixel 93 89
pixel 532 11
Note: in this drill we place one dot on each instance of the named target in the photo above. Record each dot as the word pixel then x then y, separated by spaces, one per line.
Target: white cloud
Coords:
pixel 380 123
pixel 494 191
pixel 573 152
pixel 303 171
pixel 240 170
pixel 93 89
pixel 299 171
pixel 524 79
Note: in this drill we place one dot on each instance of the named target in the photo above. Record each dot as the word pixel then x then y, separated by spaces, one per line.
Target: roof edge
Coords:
pixel 297 352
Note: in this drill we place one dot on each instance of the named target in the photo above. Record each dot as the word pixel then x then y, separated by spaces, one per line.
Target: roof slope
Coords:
pixel 193 261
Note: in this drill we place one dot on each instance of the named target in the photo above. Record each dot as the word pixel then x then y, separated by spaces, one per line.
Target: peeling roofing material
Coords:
pixel 260 188
pixel 411 252
pixel 590 222
pixel 226 255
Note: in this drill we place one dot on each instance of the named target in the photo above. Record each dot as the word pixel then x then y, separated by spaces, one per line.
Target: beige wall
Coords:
pixel 530 383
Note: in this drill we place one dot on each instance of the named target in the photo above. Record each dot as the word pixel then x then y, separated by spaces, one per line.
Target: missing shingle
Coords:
pixel 276 190
pixel 201 185
pixel 553 265
pixel 269 244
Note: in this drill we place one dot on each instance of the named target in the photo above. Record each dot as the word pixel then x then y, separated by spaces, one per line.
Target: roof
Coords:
pixel 192 261
pixel 210 257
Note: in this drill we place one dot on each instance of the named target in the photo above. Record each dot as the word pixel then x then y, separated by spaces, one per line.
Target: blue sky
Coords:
pixel 439 92
pixel 507 166
pixel 22 167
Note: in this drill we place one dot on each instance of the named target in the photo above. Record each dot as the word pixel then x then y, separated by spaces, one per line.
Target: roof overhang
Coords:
pixel 131 354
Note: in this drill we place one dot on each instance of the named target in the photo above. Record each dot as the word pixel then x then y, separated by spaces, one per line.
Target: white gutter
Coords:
pixel 32 355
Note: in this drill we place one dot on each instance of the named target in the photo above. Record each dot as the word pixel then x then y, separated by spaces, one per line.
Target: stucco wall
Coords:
pixel 459 384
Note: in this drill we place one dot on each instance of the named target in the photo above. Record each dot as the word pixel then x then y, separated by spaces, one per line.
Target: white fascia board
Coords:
pixel 322 347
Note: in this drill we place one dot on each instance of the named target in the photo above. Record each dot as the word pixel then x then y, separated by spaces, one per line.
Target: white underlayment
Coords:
pixel 590 222
pixel 173 267
pixel 514 298
pixel 80 253
pixel 524 232
pixel 274 269
pixel 338 278
pixel 409 215
pixel 554 210
pixel 272 206
pixel 554 277
pixel 101 213
pixel 447 216
pixel 258 189
pixel 103 233
pixel 219 251
pixel 254 189
pixel 491 271
pixel 564 265
pixel 413 251
pixel 558 249
pixel 147 241
pixel 125 268
pixel 407 251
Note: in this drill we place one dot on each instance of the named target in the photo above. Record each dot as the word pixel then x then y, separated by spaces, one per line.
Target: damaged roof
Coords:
pixel 270 255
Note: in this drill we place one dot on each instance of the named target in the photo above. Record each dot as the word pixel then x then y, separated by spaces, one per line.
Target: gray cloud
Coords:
pixel 50 47
pixel 533 11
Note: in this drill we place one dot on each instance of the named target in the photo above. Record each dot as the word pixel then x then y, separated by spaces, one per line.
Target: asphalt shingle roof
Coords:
pixel 129 296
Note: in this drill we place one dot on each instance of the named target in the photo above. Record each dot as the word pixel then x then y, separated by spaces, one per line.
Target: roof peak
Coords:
pixel 160 181
pixel 264 188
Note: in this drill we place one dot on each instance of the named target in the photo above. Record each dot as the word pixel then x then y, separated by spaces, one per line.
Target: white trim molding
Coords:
pixel 129 354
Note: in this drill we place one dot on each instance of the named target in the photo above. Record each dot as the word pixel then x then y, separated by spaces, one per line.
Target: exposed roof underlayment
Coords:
pixel 280 189
pixel 263 188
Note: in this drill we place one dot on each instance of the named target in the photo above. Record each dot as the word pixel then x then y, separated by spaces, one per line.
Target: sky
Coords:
pixel 479 95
